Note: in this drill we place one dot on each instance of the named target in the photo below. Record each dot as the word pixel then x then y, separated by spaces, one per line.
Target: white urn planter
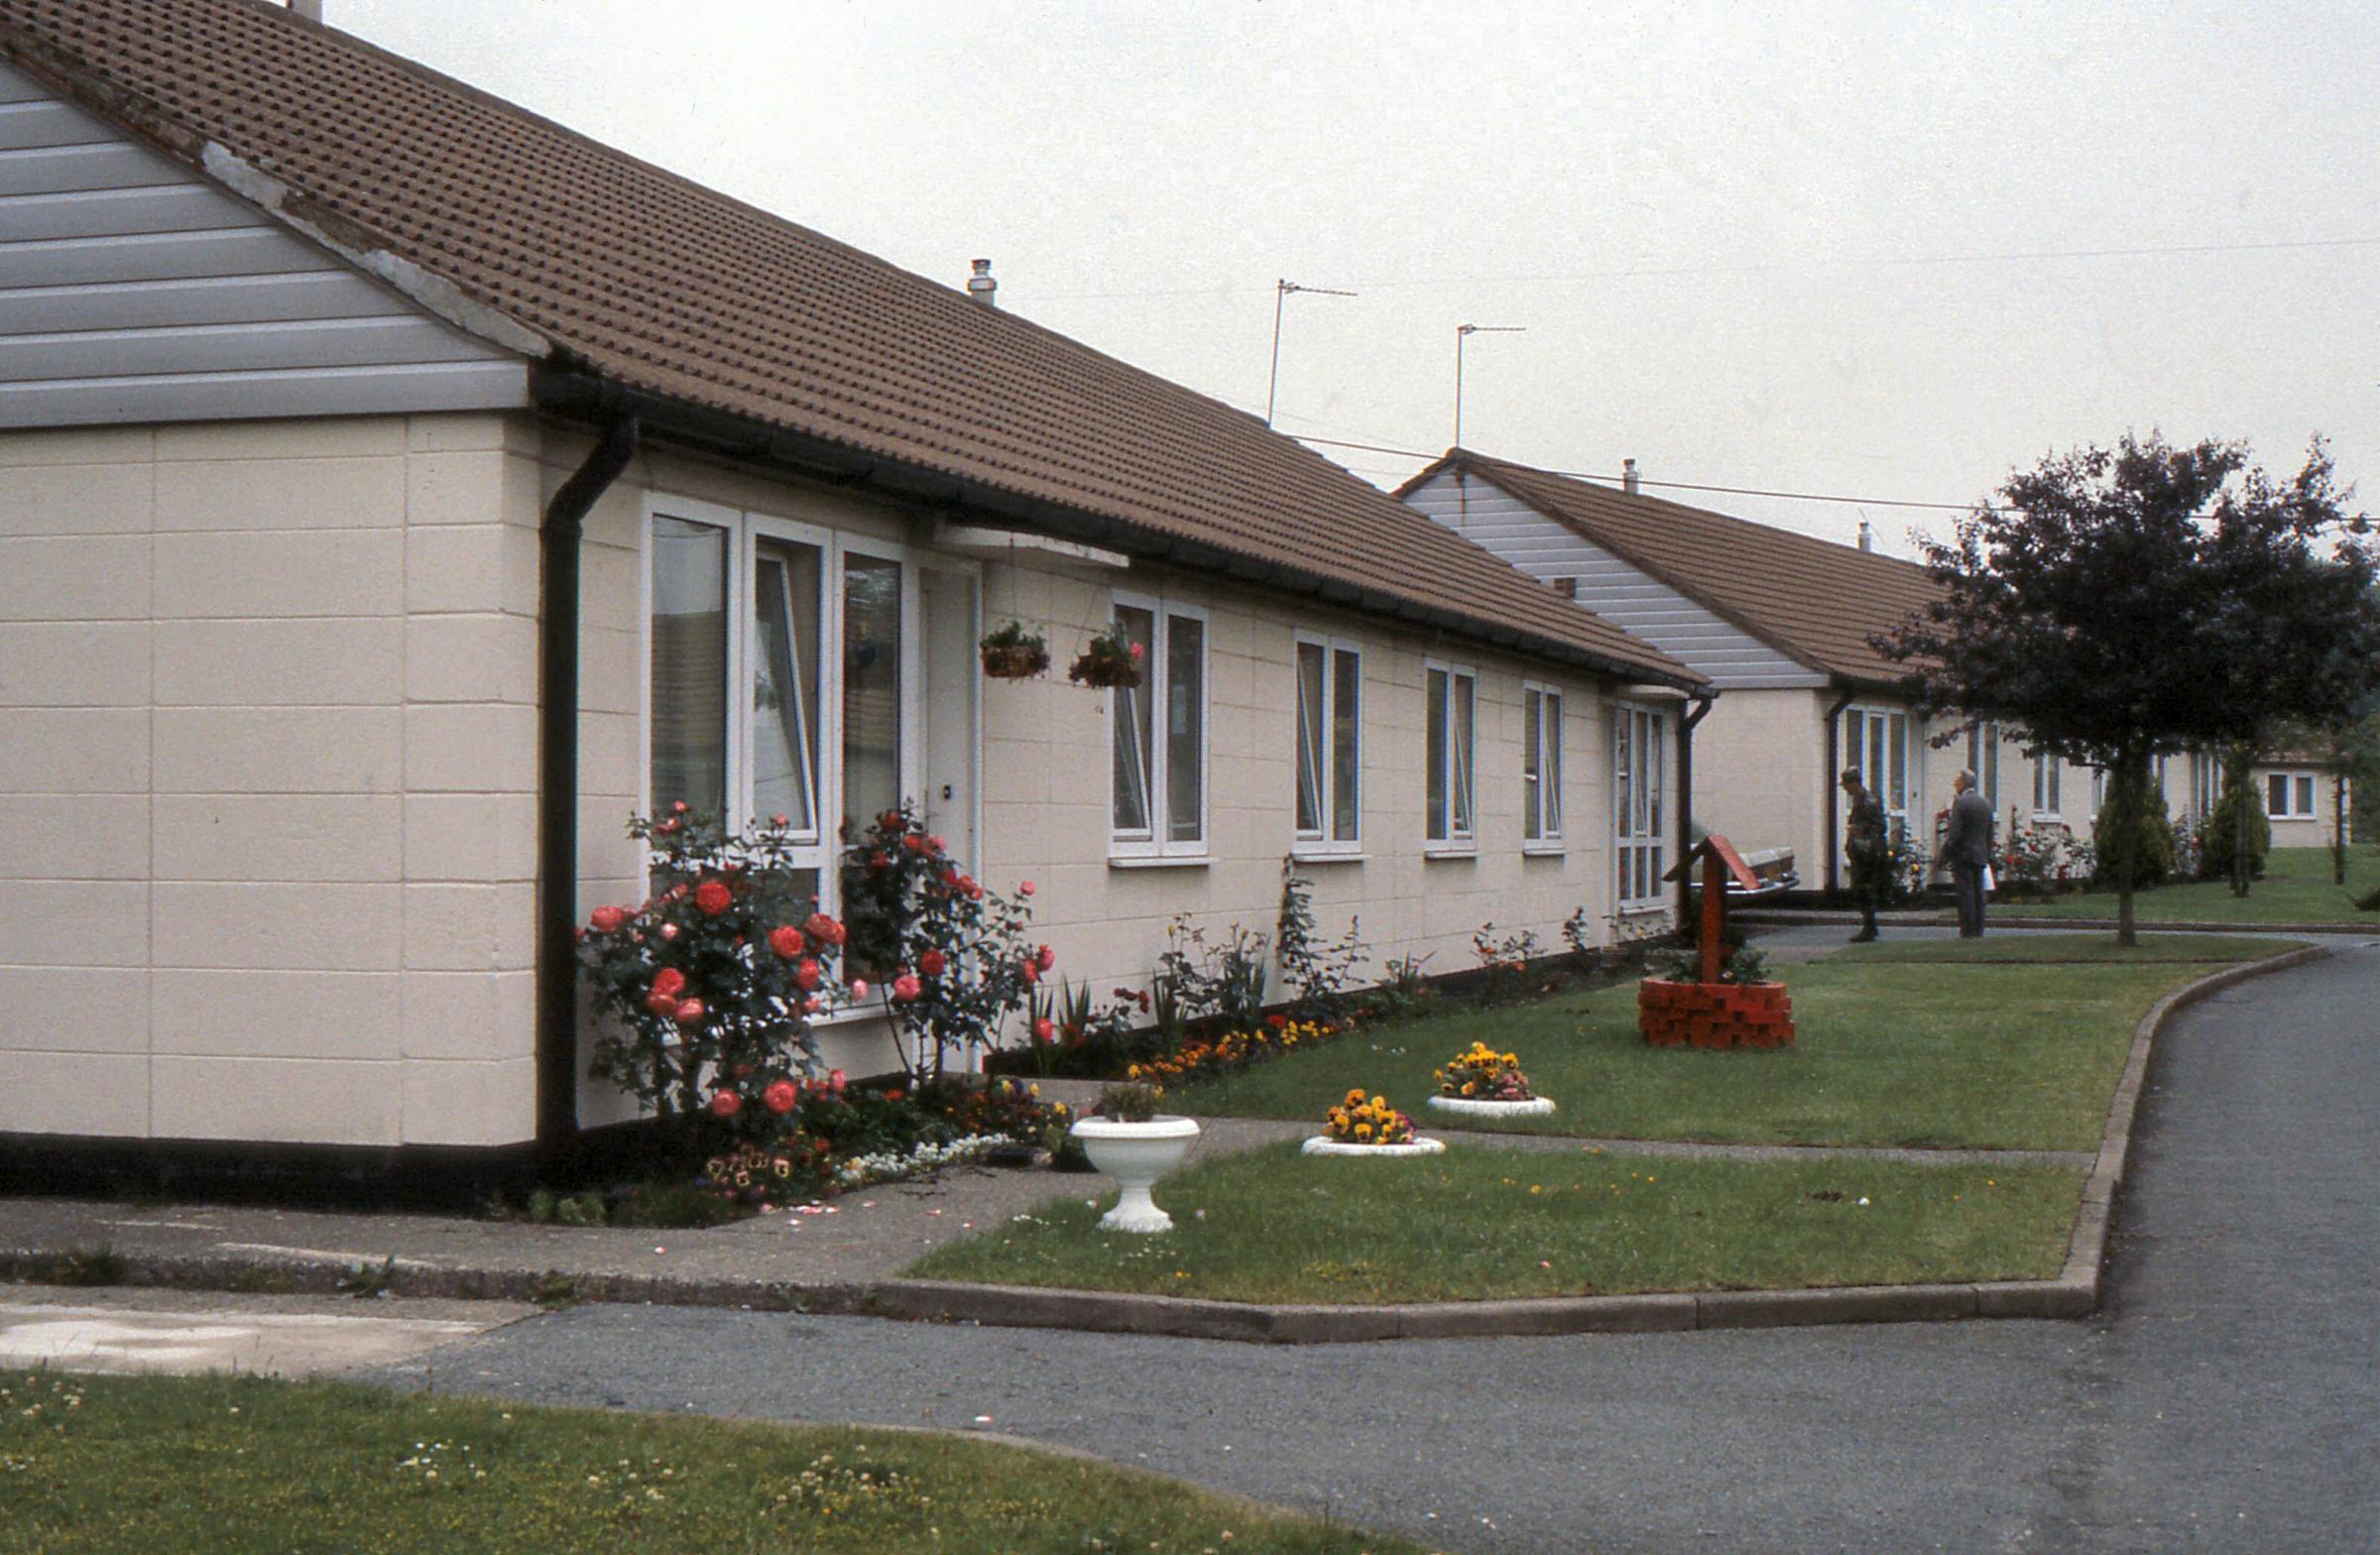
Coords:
pixel 1135 1155
pixel 1323 1145
pixel 1473 1107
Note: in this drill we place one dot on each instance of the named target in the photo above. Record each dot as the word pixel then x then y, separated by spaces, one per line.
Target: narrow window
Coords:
pixel 871 689
pixel 784 684
pixel 1135 761
pixel 688 666
pixel 1541 764
pixel 1450 697
pixel 1158 782
pixel 1330 693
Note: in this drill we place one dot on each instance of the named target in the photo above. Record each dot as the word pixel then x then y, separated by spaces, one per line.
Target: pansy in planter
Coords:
pixel 1013 653
pixel 1481 1074
pixel 1368 1126
pixel 1110 658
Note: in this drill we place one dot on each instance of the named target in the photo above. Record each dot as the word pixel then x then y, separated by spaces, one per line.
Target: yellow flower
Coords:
pixel 1469 1088
pixel 1363 1130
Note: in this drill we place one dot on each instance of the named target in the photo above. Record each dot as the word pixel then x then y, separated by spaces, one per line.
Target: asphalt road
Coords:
pixel 2227 1398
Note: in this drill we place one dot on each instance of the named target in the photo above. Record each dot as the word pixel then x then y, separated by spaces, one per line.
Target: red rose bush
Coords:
pixel 712 982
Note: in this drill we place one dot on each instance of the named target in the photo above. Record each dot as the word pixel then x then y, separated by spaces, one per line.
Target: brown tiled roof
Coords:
pixel 659 284
pixel 1809 598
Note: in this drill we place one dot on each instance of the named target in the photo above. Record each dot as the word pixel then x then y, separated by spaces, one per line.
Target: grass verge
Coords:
pixel 1962 1049
pixel 1482 1222
pixel 2296 889
pixel 241 1465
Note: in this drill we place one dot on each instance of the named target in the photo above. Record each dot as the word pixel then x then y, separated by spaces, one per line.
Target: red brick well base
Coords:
pixel 1714 1014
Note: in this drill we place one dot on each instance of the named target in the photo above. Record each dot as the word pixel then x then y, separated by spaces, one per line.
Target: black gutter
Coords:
pixel 581 394
pixel 557 775
pixel 1702 710
pixel 1833 776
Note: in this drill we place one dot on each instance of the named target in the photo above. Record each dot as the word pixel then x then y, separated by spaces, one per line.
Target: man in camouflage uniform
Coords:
pixel 1870 849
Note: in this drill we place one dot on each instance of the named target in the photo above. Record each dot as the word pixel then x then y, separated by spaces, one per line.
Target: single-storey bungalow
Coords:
pixel 398 490
pixel 1778 621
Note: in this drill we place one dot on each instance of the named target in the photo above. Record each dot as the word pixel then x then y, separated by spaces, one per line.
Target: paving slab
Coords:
pixel 151 1331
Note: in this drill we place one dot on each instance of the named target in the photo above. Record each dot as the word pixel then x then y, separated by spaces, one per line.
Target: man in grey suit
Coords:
pixel 1967 848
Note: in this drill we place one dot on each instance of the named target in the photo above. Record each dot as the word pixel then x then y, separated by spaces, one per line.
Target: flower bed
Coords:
pixel 1361 1125
pixel 1203 1056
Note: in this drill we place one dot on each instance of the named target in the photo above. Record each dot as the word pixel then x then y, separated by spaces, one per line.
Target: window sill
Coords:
pixel 1464 854
pixel 1157 860
pixel 1643 910
pixel 1544 850
pixel 1304 855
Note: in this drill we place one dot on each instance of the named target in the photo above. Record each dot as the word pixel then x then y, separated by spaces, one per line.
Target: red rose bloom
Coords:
pixel 805 976
pixel 934 845
pixel 907 986
pixel 726 1104
pixel 932 963
pixel 690 1012
pixel 859 988
pixel 824 929
pixel 1025 888
pixel 1031 971
pixel 1045 958
pixel 781 1096
pixel 669 981
pixel 889 820
pixel 661 1004
pixel 606 920
pixel 836 1080
pixel 1045 1030
pixel 713 897
pixel 786 941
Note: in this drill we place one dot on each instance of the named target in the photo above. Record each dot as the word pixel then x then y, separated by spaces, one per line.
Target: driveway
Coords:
pixel 2227 1396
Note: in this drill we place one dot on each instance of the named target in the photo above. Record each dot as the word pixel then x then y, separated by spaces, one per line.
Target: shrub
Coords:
pixel 2222 833
pixel 1222 981
pixel 713 980
pixel 1322 970
pixel 2156 833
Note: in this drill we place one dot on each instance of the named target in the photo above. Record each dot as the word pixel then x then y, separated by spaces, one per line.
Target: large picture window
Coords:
pixel 783 668
pixel 1540 766
pixel 1640 753
pixel 1329 746
pixel 1159 772
pixel 1449 694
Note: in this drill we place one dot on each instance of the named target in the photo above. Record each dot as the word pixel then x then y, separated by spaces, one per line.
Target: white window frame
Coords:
pixel 1983 758
pixel 2047 785
pixel 1537 797
pixel 2294 784
pixel 1638 826
pixel 1863 723
pixel 745 531
pixel 1456 842
pixel 2206 783
pixel 1324 842
pixel 1127 847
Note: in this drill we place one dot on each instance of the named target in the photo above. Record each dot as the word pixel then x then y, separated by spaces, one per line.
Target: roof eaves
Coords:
pixel 580 393
pixel 1650 568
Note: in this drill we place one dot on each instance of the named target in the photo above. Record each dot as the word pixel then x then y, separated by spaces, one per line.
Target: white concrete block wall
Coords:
pixel 267 761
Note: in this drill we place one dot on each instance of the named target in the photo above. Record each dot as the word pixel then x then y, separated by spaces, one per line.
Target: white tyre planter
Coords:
pixel 1135 1155
pixel 1322 1144
pixel 1472 1107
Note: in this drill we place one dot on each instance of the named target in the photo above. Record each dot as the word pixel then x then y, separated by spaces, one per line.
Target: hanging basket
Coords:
pixel 1108 660
pixel 1013 653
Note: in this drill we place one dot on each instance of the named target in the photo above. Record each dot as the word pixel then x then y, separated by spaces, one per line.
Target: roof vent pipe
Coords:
pixel 1627 476
pixel 311 10
pixel 1868 535
pixel 981 286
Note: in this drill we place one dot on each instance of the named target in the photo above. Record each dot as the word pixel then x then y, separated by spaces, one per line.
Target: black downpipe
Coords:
pixel 1833 775
pixel 558 779
pixel 1701 709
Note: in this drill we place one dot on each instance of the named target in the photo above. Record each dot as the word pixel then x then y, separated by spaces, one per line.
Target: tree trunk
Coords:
pixel 2338 827
pixel 2240 818
pixel 2127 846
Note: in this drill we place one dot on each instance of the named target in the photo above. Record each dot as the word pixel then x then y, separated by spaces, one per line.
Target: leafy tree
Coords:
pixel 2118 604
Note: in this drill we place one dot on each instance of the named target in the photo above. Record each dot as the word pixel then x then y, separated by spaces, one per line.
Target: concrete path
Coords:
pixel 2227 1397
pixel 120 1330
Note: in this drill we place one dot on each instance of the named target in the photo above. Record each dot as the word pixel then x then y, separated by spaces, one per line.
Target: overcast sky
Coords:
pixel 1879 250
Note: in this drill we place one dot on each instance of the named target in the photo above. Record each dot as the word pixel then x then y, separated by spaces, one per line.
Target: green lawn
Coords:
pixel 1482 1222
pixel 248 1467
pixel 2004 1056
pixel 2296 889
